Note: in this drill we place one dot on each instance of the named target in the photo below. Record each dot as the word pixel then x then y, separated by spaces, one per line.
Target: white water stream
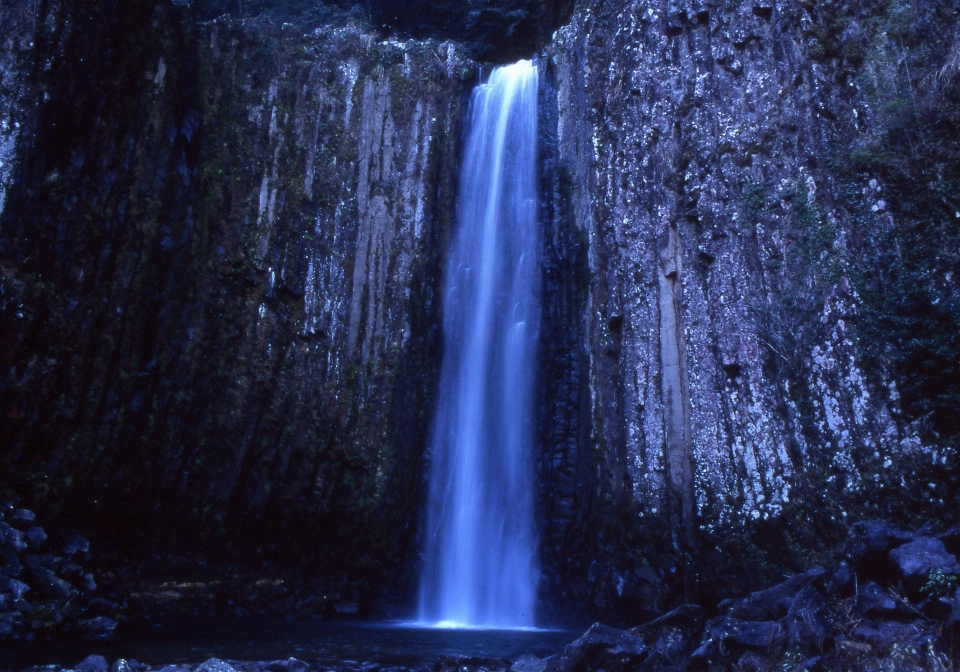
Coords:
pixel 480 566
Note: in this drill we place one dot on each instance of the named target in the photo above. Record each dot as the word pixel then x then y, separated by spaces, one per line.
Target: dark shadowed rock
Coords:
pixel 673 637
pixel 754 634
pixel 35 537
pixel 22 518
pixel 13 538
pixel 15 587
pixel 601 647
pixel 11 566
pixel 76 544
pixel 100 626
pixel 915 560
pixel 884 634
pixel 46 581
pixel 773 603
pixel 953 620
pixel 528 663
pixel 951 540
pixel 843 582
pixel 938 608
pixel 868 545
pixel 876 602
pixel 687 618
pixel 92 663
pixel 806 622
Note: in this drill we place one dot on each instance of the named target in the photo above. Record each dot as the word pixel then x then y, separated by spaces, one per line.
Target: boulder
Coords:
pixel 76 543
pixel 773 603
pixel 93 663
pixel 35 537
pixel 938 608
pixel 601 647
pixel 753 634
pixel 882 635
pixel 953 620
pixel 687 618
pixel 951 539
pixel 100 626
pixel 843 582
pixel 13 586
pixel 915 561
pixel 673 637
pixel 876 602
pixel 13 539
pixel 868 544
pixel 22 518
pixel 806 621
pixel 46 581
pixel 528 663
pixel 215 665
pixel 11 566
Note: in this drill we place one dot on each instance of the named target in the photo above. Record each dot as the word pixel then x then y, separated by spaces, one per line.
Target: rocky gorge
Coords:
pixel 222 236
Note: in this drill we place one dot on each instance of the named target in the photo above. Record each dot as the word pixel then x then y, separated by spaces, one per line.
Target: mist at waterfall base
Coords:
pixel 480 551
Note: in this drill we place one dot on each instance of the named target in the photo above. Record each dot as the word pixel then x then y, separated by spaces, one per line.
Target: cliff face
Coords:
pixel 221 265
pixel 739 193
pixel 221 248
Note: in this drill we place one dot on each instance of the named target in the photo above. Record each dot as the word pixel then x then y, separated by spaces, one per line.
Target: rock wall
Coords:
pixel 221 249
pixel 726 399
pixel 221 266
pixel 15 53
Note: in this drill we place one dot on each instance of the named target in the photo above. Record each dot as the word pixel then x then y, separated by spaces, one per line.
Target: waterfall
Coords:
pixel 480 564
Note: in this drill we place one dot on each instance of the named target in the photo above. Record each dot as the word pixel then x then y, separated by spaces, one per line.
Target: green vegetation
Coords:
pixel 940 584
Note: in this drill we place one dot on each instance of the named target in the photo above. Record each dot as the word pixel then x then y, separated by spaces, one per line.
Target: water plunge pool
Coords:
pixel 334 643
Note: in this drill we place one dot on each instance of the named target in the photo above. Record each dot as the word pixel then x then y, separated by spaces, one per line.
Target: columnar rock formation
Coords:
pixel 703 171
pixel 221 247
pixel 221 261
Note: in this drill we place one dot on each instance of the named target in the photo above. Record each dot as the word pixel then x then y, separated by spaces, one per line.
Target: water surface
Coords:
pixel 332 643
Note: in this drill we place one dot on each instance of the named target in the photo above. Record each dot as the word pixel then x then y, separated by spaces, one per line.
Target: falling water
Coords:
pixel 480 566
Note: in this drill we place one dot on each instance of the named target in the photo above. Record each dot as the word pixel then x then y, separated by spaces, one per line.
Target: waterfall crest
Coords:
pixel 480 564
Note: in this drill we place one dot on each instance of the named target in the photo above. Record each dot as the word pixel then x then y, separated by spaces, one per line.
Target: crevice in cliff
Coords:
pixel 675 388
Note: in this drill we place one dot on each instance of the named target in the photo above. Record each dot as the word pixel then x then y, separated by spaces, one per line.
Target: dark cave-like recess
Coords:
pixel 497 31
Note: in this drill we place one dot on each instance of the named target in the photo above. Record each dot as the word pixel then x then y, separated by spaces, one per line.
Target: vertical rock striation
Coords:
pixel 221 265
pixel 702 161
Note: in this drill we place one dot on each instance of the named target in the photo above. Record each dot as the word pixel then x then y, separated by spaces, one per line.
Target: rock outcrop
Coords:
pixel 737 308
pixel 221 247
pixel 221 251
